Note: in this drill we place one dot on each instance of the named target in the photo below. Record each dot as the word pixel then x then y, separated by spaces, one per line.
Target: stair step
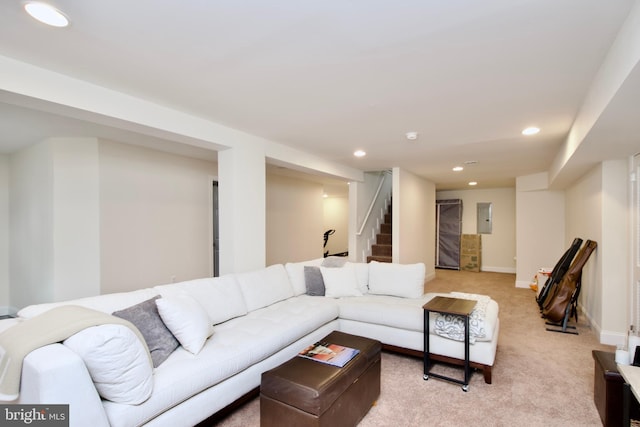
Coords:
pixel 381 250
pixel 387 218
pixel 384 239
pixel 379 258
pixel 385 228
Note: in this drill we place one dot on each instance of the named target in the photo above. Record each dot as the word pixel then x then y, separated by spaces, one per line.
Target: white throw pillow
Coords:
pixel 264 287
pixel 399 280
pixel 186 319
pixel 340 282
pixel 116 360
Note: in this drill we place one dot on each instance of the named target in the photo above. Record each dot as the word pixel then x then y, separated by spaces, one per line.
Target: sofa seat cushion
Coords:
pixel 278 325
pixel 404 313
pixel 234 346
pixel 180 377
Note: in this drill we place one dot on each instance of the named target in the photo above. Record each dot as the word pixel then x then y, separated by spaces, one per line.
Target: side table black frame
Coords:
pixel 454 306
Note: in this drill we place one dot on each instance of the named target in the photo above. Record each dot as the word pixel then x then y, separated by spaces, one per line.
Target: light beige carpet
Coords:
pixel 540 378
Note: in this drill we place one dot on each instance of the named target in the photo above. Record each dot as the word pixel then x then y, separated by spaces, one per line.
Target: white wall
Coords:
pixel 336 217
pixel 615 242
pixel 584 220
pixel 54 216
pixel 499 247
pixel 294 217
pixel 31 224
pixel 540 227
pixel 597 210
pixel 155 217
pixel 76 218
pixel 4 233
pixel 414 220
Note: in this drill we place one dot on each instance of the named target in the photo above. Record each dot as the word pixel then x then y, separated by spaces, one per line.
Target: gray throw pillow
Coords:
pixel 158 337
pixel 313 281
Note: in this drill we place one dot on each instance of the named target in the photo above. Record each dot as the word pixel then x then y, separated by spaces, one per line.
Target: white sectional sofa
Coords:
pixel 260 319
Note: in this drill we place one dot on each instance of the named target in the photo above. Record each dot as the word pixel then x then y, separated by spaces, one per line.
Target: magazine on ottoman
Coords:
pixel 331 354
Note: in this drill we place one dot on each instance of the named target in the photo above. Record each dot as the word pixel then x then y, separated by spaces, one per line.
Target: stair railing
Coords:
pixel 383 174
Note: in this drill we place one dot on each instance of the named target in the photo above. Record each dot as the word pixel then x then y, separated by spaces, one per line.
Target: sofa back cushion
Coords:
pixel 362 273
pixel 221 297
pixel 264 287
pixel 107 303
pixel 400 280
pixel 340 282
pixel 295 271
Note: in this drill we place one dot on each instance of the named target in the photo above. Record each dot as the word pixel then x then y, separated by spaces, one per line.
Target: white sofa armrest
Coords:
pixel 54 374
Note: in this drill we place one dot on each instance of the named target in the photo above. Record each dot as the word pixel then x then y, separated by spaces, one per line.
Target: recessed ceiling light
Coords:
pixel 46 14
pixel 531 130
pixel 359 153
pixel 458 168
pixel 472 183
pixel 411 136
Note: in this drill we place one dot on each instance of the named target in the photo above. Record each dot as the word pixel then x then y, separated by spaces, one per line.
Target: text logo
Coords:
pixel 34 415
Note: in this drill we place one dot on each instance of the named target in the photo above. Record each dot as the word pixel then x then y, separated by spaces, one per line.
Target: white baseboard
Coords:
pixel 510 270
pixel 523 283
pixel 605 337
pixel 612 338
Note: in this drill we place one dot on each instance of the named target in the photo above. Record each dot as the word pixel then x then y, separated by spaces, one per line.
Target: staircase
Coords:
pixel 381 250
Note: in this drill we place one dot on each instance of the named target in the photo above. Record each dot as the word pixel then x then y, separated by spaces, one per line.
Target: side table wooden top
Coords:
pixel 459 306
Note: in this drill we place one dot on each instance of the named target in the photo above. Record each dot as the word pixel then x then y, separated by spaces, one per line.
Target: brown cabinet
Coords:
pixel 607 390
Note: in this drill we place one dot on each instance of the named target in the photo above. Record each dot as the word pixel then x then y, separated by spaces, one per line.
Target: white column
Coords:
pixel 242 188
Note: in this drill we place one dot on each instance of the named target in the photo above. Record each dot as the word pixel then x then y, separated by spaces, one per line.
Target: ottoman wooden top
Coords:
pixel 313 386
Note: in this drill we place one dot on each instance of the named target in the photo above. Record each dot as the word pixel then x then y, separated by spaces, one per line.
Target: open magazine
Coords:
pixel 331 354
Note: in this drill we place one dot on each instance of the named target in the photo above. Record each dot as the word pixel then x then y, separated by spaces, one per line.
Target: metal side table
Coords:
pixel 455 306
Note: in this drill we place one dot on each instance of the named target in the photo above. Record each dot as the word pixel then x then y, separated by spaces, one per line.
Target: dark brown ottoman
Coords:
pixel 304 392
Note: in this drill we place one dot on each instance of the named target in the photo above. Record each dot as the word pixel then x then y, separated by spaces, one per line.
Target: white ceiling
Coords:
pixel 334 76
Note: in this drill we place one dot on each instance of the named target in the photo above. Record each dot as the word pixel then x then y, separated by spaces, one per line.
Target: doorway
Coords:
pixel 215 234
pixel 448 232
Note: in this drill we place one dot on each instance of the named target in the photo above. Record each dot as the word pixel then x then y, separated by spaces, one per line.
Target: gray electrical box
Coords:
pixel 484 218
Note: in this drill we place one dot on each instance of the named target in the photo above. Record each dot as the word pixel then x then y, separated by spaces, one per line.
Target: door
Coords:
pixel 216 230
pixel 448 231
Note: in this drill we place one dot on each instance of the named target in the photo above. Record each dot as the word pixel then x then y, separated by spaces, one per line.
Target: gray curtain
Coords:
pixel 448 231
